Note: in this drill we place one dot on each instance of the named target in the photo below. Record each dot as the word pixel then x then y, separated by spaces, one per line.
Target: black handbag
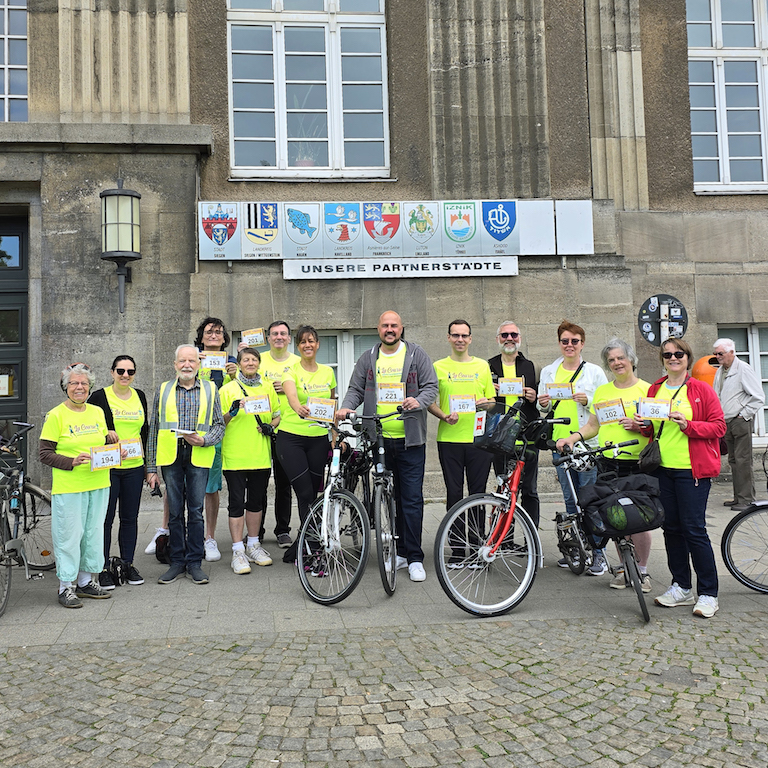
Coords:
pixel 502 429
pixel 649 459
pixel 543 437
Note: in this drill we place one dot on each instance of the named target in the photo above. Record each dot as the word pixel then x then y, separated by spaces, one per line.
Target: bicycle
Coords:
pixel 25 518
pixel 487 550
pixel 334 540
pixel 744 545
pixel 575 543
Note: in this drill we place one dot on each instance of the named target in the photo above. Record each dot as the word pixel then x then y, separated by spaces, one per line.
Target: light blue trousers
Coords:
pixel 77 528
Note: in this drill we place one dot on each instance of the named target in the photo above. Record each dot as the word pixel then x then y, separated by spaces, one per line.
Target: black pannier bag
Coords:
pixel 620 506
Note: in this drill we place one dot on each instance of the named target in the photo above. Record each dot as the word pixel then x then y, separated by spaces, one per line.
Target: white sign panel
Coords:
pixel 382 230
pixel 573 221
pixel 537 227
pixel 461 236
pixel 421 229
pixel 219 231
pixel 261 236
pixel 342 227
pixel 500 232
pixel 301 231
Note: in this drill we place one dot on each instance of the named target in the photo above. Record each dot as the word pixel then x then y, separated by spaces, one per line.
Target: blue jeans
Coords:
pixel 407 465
pixel 185 482
pixel 685 530
pixel 580 479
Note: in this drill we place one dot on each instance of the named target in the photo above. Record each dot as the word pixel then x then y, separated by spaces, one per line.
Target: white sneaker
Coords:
pixel 401 563
pixel 259 555
pixel 416 572
pixel 212 553
pixel 675 596
pixel 240 562
pixel 152 546
pixel 706 606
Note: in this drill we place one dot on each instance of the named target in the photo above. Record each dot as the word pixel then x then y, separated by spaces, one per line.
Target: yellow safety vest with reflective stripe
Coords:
pixel 168 419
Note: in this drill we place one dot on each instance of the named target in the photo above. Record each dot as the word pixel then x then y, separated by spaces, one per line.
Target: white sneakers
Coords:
pixel 151 548
pixel 240 562
pixel 212 553
pixel 257 554
pixel 416 572
pixel 706 606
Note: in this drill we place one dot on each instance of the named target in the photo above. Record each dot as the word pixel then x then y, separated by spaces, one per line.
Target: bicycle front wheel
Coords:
pixel 479 581
pixel 5 561
pixel 35 528
pixel 745 547
pixel 331 565
pixel 633 575
pixel 386 547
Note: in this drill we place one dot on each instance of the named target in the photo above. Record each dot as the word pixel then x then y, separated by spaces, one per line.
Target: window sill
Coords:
pixel 730 189
pixel 317 178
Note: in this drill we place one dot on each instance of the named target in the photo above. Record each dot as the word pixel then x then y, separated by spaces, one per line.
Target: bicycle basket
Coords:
pixel 501 432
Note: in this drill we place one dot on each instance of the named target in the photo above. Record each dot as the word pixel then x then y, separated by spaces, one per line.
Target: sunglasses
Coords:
pixel 74 365
pixel 571 342
pixel 509 335
pixel 669 355
pixel 123 371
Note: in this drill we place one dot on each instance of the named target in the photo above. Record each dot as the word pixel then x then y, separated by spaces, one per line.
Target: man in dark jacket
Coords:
pixel 511 364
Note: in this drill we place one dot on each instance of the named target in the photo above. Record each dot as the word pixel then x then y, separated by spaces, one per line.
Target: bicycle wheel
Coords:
pixel 35 528
pixel 386 547
pixel 331 567
pixel 745 547
pixel 569 545
pixel 5 561
pixel 478 581
pixel 631 572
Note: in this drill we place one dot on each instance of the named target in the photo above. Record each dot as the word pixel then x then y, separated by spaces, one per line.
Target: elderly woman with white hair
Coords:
pixel 613 424
pixel 79 496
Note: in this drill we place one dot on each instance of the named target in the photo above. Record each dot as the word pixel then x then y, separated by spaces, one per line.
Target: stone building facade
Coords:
pixel 518 100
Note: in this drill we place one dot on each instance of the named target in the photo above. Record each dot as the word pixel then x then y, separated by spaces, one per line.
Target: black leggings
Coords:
pixel 303 459
pixel 125 488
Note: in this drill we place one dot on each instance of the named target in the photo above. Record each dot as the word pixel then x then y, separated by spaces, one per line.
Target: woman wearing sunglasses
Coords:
pixel 125 409
pixel 690 457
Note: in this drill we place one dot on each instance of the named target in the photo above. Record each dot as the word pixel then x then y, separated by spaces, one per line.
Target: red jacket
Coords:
pixel 704 430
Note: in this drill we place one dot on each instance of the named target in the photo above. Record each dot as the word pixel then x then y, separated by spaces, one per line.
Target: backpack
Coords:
pixel 163 549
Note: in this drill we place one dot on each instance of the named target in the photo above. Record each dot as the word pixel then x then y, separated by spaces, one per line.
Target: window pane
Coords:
pixel 17 110
pixel 697 10
pixel 253 95
pixel 741 95
pixel 704 146
pixel 17 82
pixel 308 153
pixel 252 5
pixel 355 40
pixel 699 36
pixel 737 335
pixel 17 52
pixel 252 66
pixel 17 22
pixel 305 68
pixel 305 96
pixel 701 71
pixel 307 125
pixel 255 125
pixel 359 6
pixel 328 354
pixel 704 121
pixel 740 71
pixel 356 68
pixel 10 326
pixel 255 153
pixel 746 170
pixel 743 120
pixel 702 96
pixel 363 97
pixel 737 10
pixel 363 126
pixel 764 368
pixel 738 36
pixel 305 39
pixel 363 342
pixel 2 60
pixel 2 24
pixel 251 38
pixel 744 146
pixel 361 154
pixel 9 252
pixel 303 5
pixel 706 170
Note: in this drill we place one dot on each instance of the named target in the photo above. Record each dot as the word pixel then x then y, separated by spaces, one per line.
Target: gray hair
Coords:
pixel 83 368
pixel 183 346
pixel 507 322
pixel 727 343
pixel 617 343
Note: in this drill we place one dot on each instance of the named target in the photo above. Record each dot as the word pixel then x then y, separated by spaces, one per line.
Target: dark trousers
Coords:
pixel 407 467
pixel 185 482
pixel 685 530
pixel 283 498
pixel 125 489
pixel 247 489
pixel 738 438
pixel 458 460
pixel 529 495
pixel 304 459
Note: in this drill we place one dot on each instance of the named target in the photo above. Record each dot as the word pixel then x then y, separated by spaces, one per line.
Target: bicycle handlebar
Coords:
pixel 24 427
pixel 558 460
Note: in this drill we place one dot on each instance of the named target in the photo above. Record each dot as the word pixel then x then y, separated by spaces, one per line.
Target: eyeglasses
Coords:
pixel 509 335
pixel 123 371
pixel 720 354
pixel 74 365
pixel 570 342
pixel 457 336
pixel 677 353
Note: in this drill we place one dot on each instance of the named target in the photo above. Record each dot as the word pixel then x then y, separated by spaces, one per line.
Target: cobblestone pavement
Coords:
pixel 584 684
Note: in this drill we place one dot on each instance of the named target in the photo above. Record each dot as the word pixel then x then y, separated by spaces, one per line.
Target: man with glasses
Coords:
pixel 465 385
pixel 273 364
pixel 512 364
pixel 566 390
pixel 741 396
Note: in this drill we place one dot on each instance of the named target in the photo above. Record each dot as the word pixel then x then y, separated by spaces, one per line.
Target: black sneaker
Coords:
pixel 173 573
pixel 132 576
pixel 93 591
pixel 196 573
pixel 68 599
pixel 106 581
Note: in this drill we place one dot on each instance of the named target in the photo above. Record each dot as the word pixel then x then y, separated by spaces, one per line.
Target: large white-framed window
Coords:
pixel 13 60
pixel 307 89
pixel 751 342
pixel 340 350
pixel 728 86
